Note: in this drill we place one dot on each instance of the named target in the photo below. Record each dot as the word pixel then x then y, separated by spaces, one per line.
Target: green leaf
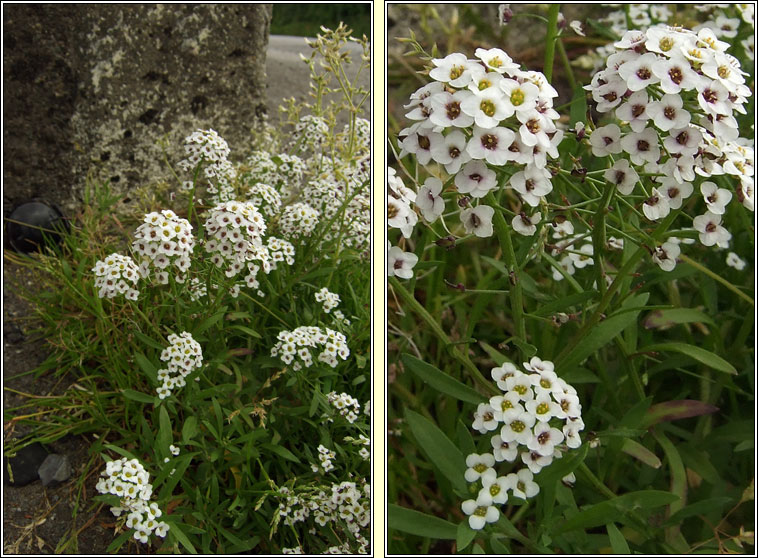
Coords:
pixel 701 355
pixel 281 451
pixel 617 509
pixel 465 535
pixel 443 453
pixel 495 355
pixel 189 429
pixel 147 367
pixel 703 507
pixel 563 304
pixel 618 542
pixel 165 435
pixel 599 336
pixel 147 340
pixel 465 441
pixel 246 331
pixel 578 106
pixel 497 546
pixel 640 452
pixel 660 319
pixel 676 410
pixel 440 381
pixel 421 524
pixel 119 541
pixel 138 396
pixel 210 321
pixel 179 535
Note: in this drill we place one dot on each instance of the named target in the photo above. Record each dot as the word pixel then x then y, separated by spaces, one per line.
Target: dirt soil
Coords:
pixel 37 520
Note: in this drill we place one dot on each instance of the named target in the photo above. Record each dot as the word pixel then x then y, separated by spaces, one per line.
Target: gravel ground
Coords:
pixel 36 520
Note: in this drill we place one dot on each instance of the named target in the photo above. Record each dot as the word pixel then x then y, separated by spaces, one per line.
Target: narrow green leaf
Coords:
pixel 497 546
pixel 676 410
pixel 281 451
pixel 189 429
pixel 246 331
pixel 119 541
pixel 147 340
pixel 599 336
pixel 465 535
pixel 701 355
pixel 563 304
pixel 640 452
pixel 147 367
pixel 661 319
pixel 441 452
pixel 465 440
pixel 618 542
pixel 179 535
pixel 165 435
pixel 495 355
pixel 421 524
pixel 703 507
pixel 578 106
pixel 440 381
pixel 138 396
pixel 210 321
pixel 617 509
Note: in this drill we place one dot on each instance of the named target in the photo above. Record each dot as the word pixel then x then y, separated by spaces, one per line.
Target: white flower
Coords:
pixel 522 484
pixel 503 451
pixel 526 225
pixel 454 69
pixel 642 146
pixel 675 74
pixel 545 438
pixel 583 257
pixel 715 198
pixel 491 145
pixel 605 140
pixel 665 255
pixel 542 407
pixel 675 191
pixel 733 260
pixel 479 466
pixel 710 229
pixel 478 220
pixel 667 113
pixel 446 109
pixel 623 176
pixel 400 264
pixel 520 96
pixel 517 426
pixel 531 183
pixel 495 488
pixel 656 206
pixel 497 60
pixel 576 26
pixel 684 141
pixel 638 72
pixel 476 179
pixel 428 199
pixel 634 110
pixel 484 418
pixel 488 109
pixel 480 512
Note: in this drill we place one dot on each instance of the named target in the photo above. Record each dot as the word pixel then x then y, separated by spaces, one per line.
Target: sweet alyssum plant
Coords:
pixel 224 340
pixel 652 167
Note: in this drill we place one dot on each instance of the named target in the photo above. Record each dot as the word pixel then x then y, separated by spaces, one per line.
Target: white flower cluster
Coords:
pixel 235 239
pixel 291 169
pixel 477 114
pixel 346 404
pixel 262 168
pixel 184 355
pixel 347 503
pixel 309 133
pixel 208 148
pixel 113 276
pixel 677 91
pixel 163 240
pixel 328 299
pixel 197 289
pixel 533 405
pixel 265 198
pixel 362 440
pixel 575 250
pixel 296 346
pixel 325 456
pixel 298 220
pixel 128 479
pixel 362 134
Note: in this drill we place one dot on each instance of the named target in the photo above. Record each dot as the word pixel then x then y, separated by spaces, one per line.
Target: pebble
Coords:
pixel 55 470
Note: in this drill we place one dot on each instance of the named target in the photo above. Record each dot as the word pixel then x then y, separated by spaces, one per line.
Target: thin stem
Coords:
pixel 552 36
pixel 717 277
pixel 517 299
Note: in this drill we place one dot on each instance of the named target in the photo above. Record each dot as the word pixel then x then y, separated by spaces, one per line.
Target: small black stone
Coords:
pixel 30 223
pixel 21 469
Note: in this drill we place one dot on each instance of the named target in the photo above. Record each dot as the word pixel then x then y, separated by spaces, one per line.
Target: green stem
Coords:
pixel 566 65
pixel 625 270
pixel 517 298
pixel 598 237
pixel 712 275
pixel 550 39
pixel 463 359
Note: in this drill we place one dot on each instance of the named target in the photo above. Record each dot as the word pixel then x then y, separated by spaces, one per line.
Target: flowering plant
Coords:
pixel 558 234
pixel 208 341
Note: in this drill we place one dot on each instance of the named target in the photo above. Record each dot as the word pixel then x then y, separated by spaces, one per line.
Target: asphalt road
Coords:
pixel 288 75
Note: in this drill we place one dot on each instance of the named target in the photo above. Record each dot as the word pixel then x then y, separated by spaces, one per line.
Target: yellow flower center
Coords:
pixel 487 107
pixel 517 98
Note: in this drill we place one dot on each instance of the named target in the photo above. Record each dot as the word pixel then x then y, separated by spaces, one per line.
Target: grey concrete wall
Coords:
pixel 92 88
